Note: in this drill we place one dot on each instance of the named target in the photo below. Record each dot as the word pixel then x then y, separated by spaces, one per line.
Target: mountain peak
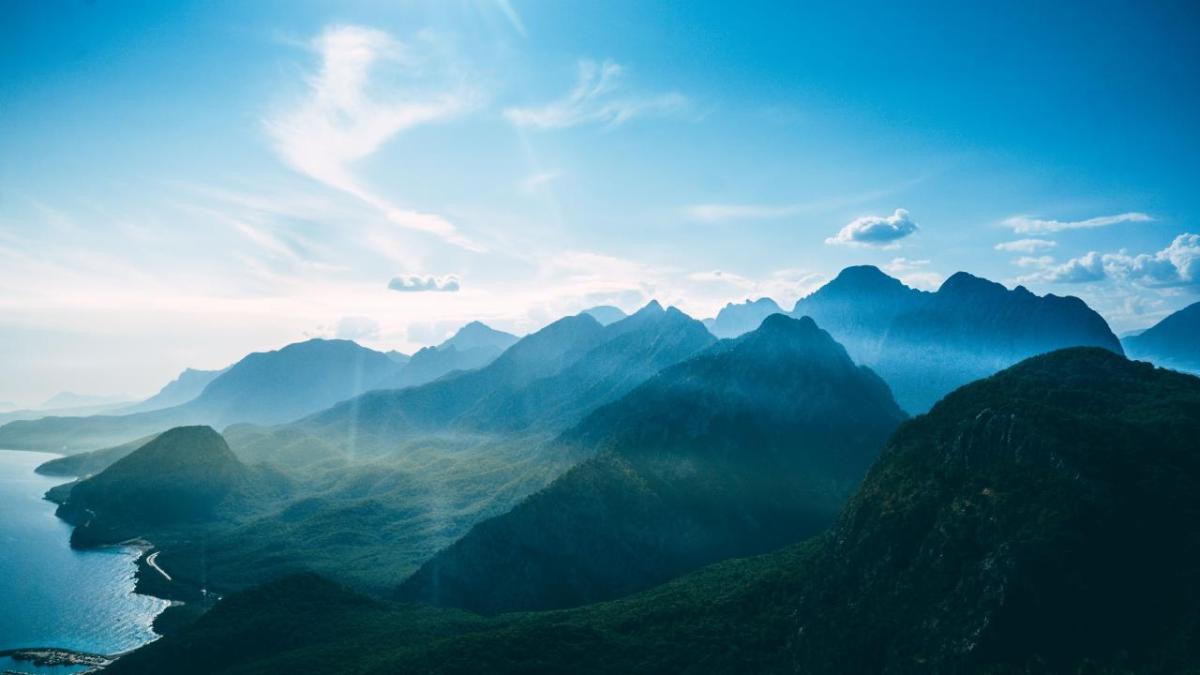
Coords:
pixel 478 334
pixel 966 283
pixel 651 307
pixel 605 314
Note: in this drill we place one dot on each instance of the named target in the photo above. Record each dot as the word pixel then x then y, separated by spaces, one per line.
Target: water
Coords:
pixel 51 595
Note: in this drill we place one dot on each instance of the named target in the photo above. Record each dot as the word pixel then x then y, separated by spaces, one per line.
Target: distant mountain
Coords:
pixel 186 474
pixel 605 314
pixel 927 344
pixel 1040 521
pixel 69 399
pixel 264 388
pixel 858 308
pixel 1173 342
pixel 85 464
pixel 6 406
pixel 734 320
pixel 182 389
pixel 748 446
pixel 542 384
pixel 474 346
pixel 398 357
pixel 971 328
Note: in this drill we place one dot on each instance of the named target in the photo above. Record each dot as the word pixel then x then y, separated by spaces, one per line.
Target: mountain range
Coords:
pixel 747 446
pixel 1043 519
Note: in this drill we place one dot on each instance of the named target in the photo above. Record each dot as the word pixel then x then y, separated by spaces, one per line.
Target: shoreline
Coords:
pixel 57 656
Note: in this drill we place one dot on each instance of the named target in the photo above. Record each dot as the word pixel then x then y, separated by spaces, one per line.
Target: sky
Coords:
pixel 184 183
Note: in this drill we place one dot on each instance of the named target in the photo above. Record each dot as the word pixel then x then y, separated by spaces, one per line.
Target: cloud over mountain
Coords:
pixel 875 230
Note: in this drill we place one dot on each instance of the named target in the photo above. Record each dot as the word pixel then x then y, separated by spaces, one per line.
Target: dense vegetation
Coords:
pixel 1046 519
pixel 748 446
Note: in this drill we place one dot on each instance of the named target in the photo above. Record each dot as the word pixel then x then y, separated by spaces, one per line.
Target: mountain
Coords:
pixel 474 346
pixel 750 445
pixel 541 385
pixel 69 399
pixel 605 314
pixel 927 344
pixel 182 389
pixel 971 328
pixel 734 320
pixel 1173 342
pixel 186 474
pixel 264 388
pixel 85 464
pixel 1043 520
pixel 858 307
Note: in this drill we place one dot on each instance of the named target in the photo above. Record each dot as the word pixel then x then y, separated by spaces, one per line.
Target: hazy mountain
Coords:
pixel 474 346
pixel 542 384
pixel 1173 342
pixel 186 474
pixel 85 464
pixel 69 399
pixel 182 389
pixel 264 387
pixel 748 446
pixel 736 319
pixel 398 357
pixel 971 328
pixel 1040 521
pixel 6 406
pixel 926 344
pixel 605 314
pixel 858 308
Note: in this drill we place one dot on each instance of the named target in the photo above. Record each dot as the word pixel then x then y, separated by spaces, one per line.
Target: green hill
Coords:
pixel 753 444
pixel 1044 520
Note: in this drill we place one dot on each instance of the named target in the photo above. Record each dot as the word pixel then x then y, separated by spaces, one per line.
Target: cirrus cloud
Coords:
pixel 596 98
pixel 879 231
pixel 1030 225
pixel 1026 245
pixel 416 283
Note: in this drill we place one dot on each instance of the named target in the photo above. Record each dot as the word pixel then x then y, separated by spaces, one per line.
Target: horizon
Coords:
pixel 185 185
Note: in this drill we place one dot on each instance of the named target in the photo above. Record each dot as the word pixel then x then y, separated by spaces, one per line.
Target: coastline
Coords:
pixel 57 656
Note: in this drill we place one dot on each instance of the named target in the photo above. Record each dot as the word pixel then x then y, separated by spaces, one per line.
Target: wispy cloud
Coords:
pixel 535 181
pixel 415 283
pixel 879 231
pixel 1030 225
pixel 597 98
pixel 345 119
pixel 511 14
pixel 1026 245
pixel 717 213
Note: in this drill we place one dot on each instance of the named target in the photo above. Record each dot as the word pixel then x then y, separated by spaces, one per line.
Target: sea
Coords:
pixel 52 595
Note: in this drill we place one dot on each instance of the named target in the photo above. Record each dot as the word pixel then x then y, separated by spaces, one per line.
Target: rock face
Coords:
pixel 1173 342
pixel 927 344
pixel 750 445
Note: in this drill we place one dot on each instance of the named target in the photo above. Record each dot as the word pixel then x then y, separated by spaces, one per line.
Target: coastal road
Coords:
pixel 151 561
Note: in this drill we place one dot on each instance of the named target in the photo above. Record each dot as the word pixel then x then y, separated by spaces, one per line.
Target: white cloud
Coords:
pixel 898 265
pixel 511 14
pixel 1176 265
pixel 1030 225
pixel 1084 269
pixel 1031 261
pixel 1026 245
pixel 596 99
pixel 344 119
pixel 415 283
pixel 875 230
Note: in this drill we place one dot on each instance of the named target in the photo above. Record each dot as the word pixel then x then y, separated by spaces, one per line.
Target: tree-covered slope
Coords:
pixel 1044 520
pixel 185 475
pixel 750 445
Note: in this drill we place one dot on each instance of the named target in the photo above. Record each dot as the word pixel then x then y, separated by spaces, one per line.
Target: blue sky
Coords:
pixel 181 183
